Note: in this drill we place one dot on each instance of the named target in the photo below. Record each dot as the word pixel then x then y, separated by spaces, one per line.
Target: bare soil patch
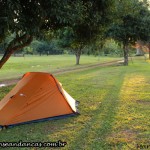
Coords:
pixel 144 102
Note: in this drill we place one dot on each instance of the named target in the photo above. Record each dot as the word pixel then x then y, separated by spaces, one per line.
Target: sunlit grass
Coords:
pixel 132 119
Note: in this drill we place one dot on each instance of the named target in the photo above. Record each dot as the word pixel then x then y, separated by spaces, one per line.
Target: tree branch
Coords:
pixel 12 47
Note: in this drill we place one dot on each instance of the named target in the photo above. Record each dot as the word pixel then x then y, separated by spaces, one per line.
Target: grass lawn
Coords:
pixel 114 107
pixel 17 66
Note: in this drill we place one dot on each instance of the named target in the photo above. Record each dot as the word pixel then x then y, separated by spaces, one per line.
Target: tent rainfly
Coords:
pixel 37 97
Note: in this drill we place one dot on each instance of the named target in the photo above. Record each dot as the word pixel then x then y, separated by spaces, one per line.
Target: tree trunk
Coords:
pixel 77 59
pixel 125 50
pixel 16 44
pixel 5 57
pixel 149 50
pixel 78 54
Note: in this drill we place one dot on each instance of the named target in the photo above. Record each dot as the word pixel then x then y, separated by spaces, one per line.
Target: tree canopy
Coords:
pixel 93 18
pixel 28 18
pixel 131 23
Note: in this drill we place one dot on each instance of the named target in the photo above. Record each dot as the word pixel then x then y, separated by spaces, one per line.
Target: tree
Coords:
pixel 145 30
pixel 112 47
pixel 92 25
pixel 93 18
pixel 48 48
pixel 28 18
pixel 130 24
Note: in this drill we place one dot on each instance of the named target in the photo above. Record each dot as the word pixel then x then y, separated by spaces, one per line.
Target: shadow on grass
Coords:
pixel 95 131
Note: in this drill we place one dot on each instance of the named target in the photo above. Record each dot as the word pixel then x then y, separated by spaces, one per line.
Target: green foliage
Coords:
pixel 95 19
pixel 35 44
pixel 129 24
pixel 144 31
pixel 48 48
pixel 132 22
pixel 92 19
pixel 43 47
pixel 65 37
pixel 33 16
pixel 28 50
pixel 111 47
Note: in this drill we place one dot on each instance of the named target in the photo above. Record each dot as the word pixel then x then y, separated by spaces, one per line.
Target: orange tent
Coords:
pixel 37 96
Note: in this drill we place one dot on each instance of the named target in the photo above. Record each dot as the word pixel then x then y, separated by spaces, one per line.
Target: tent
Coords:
pixel 37 96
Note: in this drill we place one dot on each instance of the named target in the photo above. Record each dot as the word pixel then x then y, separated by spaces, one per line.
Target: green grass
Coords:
pixel 114 107
pixel 17 66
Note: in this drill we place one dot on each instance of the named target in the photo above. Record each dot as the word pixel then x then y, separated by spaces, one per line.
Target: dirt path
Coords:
pixel 62 71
